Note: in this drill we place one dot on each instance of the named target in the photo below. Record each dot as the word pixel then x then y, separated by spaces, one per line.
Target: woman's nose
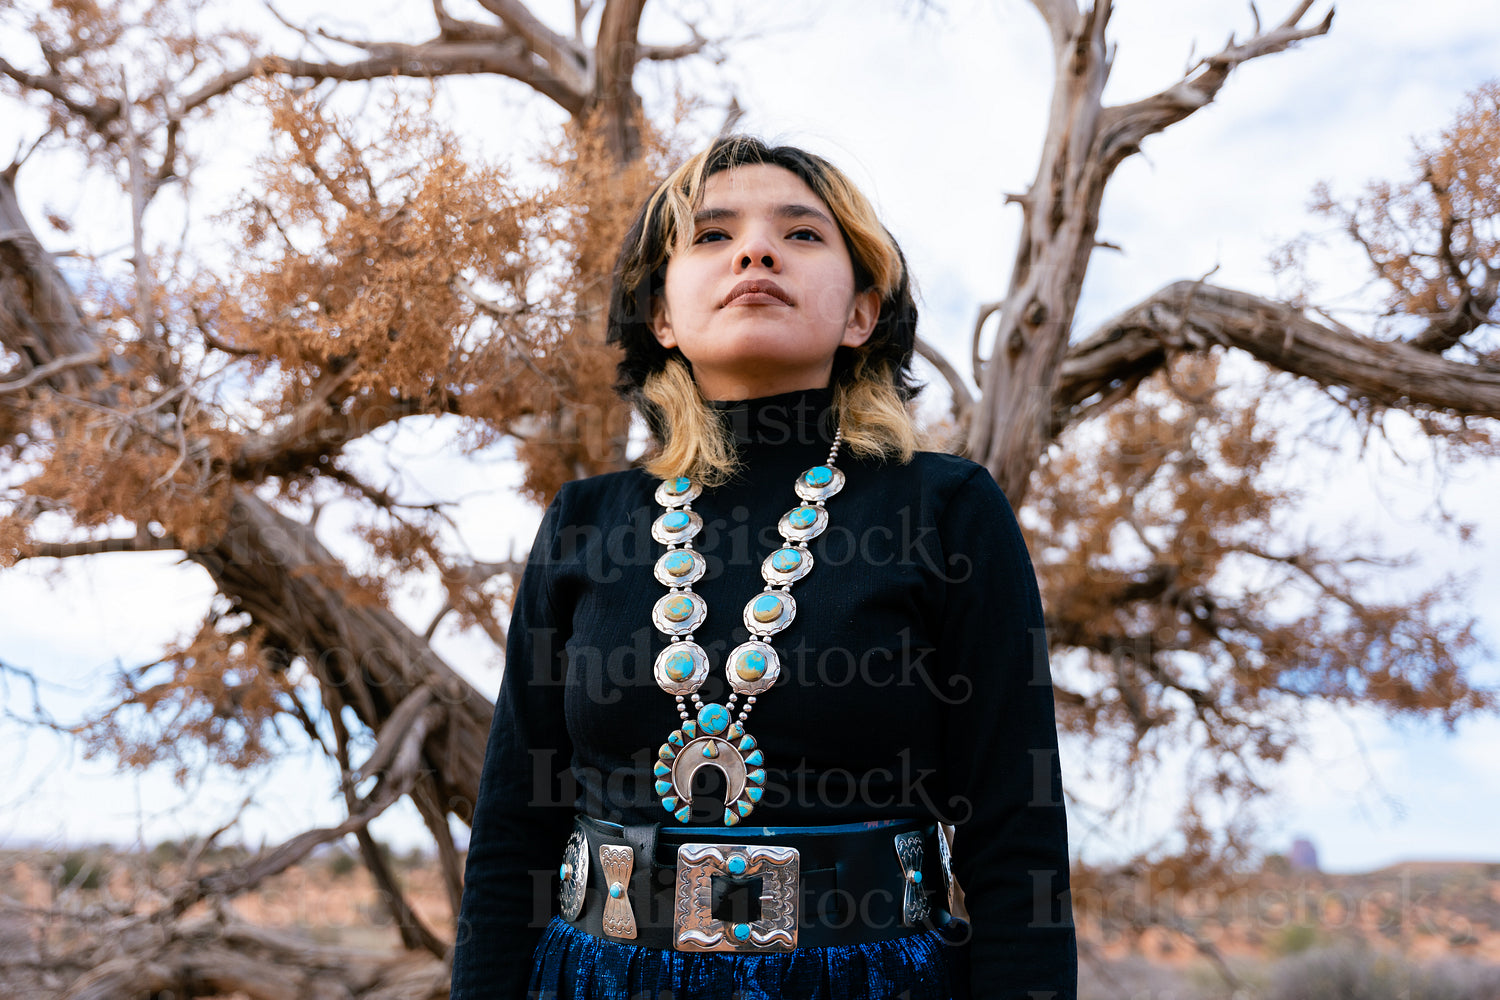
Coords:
pixel 757 250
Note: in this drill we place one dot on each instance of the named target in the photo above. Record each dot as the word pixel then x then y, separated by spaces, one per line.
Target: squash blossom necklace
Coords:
pixel 715 737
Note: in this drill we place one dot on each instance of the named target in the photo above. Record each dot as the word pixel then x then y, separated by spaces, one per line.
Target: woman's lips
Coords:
pixel 758 292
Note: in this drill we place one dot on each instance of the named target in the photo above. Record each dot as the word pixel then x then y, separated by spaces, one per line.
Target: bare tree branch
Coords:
pixel 425 60
pixel 401 775
pixel 56 366
pixel 614 91
pixel 134 543
pixel 1059 16
pixel 1084 145
pixel 99 113
pixel 1123 127
pixel 1191 316
pixel 568 60
pixel 963 399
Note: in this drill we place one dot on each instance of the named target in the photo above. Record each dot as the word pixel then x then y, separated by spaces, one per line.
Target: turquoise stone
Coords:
pixel 666 752
pixel 743 807
pixel 755 759
pixel 663 787
pixel 758 776
pixel 616 890
pixel 785 560
pixel 691 728
pixel 714 719
pixel 669 803
pixel 803 517
pixel 818 476
pixel 736 731
pixel 675 520
pixel 679 485
pixel 710 749
pixel 676 739
pixel 754 794
pixel 678 609
pixel 916 877
pixel 684 814
pixel 766 608
pixel 741 932
pixel 564 871
pixel 751 666
pixel 679 666
pixel 730 817
pixel 748 743
pixel 679 563
pixel 736 865
pixel 662 769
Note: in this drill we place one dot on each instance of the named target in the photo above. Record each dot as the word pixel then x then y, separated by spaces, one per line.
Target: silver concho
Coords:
pixel 661 533
pixel 752 685
pixel 665 613
pixel 782 577
pixel 668 496
pixel 914 907
pixel 688 684
pixel 617 861
pixel 795 533
pixel 809 492
pixel 673 557
pixel 574 874
pixel 763 626
pixel 945 858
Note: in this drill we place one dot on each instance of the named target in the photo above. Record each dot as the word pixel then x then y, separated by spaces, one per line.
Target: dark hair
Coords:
pixel 664 226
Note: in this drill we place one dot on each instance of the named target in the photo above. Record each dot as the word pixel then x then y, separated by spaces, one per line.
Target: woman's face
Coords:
pixel 764 295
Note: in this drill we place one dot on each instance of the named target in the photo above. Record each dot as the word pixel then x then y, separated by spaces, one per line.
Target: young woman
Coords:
pixel 745 682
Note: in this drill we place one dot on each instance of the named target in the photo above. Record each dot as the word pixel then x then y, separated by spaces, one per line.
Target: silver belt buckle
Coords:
pixel 695 928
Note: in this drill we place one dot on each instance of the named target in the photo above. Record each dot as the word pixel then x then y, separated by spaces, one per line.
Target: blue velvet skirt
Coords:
pixel 575 965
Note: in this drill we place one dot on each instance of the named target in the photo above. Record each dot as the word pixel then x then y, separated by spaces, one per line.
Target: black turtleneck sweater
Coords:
pixel 914 683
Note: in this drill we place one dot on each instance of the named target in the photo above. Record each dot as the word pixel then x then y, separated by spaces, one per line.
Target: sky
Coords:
pixel 937 110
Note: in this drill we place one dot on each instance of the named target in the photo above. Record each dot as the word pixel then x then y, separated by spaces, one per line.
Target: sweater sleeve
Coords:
pixel 525 805
pixel 1000 755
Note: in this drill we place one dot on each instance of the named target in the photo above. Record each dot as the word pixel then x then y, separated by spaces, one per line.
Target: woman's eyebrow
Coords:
pixel 792 211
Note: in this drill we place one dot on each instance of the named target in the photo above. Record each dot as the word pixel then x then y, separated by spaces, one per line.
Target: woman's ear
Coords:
pixel 863 314
pixel 661 324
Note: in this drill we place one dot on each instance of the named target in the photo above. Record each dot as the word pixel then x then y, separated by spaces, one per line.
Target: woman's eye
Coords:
pixel 806 234
pixel 710 236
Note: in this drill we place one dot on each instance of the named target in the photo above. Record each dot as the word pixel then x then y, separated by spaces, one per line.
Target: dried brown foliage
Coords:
pixel 1433 241
pixel 212 700
pixel 1185 614
pixel 381 275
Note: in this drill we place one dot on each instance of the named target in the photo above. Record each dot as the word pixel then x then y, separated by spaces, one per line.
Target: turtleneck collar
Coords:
pixel 804 417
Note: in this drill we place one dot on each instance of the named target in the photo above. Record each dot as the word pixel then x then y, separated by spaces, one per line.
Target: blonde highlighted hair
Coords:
pixel 872 383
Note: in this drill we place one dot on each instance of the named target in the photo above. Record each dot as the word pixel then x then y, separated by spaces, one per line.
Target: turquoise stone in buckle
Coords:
pixel 697 929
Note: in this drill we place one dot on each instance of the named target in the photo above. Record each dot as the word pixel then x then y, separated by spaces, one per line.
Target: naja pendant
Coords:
pixel 714 740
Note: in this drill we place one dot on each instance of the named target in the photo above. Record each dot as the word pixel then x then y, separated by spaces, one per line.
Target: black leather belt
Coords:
pixel 754 889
